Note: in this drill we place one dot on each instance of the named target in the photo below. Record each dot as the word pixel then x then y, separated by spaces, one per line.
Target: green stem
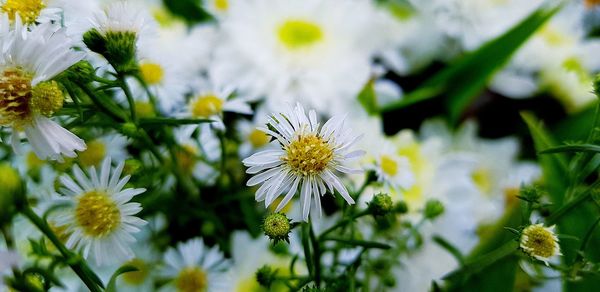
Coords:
pixel 129 95
pixel 306 245
pixel 103 107
pixel 8 236
pixel 76 263
pixel 343 223
pixel 316 253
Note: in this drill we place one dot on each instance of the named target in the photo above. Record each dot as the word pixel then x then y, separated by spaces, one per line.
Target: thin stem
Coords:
pixel 104 108
pixel 129 95
pixel 584 196
pixel 76 263
pixel 316 254
pixel 8 236
pixel 343 223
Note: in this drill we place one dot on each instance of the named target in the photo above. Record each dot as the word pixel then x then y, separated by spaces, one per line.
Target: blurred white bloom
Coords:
pixel 392 169
pixel 304 157
pixel 110 145
pixel 313 51
pixel 102 219
pixel 123 16
pixel 8 259
pixel 192 266
pixel 558 58
pixel 28 60
pixel 252 139
pixel 196 158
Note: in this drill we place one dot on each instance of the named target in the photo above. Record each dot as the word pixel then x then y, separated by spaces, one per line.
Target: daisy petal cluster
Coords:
pixel 305 157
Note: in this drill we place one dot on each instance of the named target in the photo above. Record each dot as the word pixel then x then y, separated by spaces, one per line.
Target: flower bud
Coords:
pixel 129 130
pixel 10 190
pixel 265 276
pixel 277 227
pixel 433 209
pixel 118 47
pixel 381 204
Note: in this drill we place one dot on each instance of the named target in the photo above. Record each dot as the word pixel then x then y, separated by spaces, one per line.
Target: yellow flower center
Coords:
pixel 420 166
pixel 19 100
pixel 539 241
pixel 206 106
pixel 555 37
pixel 389 165
pixel 250 285
pixel 152 73
pixel 138 277
pixel 33 162
pixel 191 280
pixel 483 180
pixel 28 10
pixel 144 109
pixel 222 5
pixel 308 155
pixel 97 214
pixel 258 138
pixel 299 34
pixel 94 154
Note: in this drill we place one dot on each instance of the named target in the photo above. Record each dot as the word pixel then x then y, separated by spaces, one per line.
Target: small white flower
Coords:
pixel 304 156
pixel 192 266
pixel 101 220
pixel 540 242
pixel 30 11
pixel 122 16
pixel 29 59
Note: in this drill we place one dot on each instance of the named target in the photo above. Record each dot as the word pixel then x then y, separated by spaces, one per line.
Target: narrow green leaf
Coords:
pixel 463 80
pixel 172 122
pixel 572 148
pixel 112 284
pixel 363 243
pixel 554 166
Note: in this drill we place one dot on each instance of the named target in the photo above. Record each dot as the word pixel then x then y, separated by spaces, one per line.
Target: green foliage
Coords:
pixel 460 82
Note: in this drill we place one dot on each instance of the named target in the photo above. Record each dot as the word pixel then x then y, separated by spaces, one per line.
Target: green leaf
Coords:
pixel 368 98
pixel 463 80
pixel 190 10
pixel 554 166
pixel 572 148
pixel 112 284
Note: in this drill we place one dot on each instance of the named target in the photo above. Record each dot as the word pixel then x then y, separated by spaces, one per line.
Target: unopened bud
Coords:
pixel 433 209
pixel 277 227
pixel 381 204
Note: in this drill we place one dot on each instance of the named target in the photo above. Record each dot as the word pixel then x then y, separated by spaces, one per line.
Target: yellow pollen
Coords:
pixel 138 277
pixel 15 94
pixel 94 154
pixel 258 138
pixel 97 214
pixel 28 10
pixel 152 73
pixel 46 98
pixel 206 106
pixel 308 155
pixel 298 34
pixel 538 241
pixel 222 5
pixel 191 280
pixel 389 165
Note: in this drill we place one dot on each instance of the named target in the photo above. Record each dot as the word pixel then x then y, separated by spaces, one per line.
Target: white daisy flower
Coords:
pixel 196 158
pixel 540 242
pixel 109 145
pixel 28 61
pixel 101 221
pixel 192 266
pixel 123 16
pixel 8 259
pixel 304 157
pixel 393 170
pixel 302 50
pixel 31 11
pixel 210 101
pixel 252 139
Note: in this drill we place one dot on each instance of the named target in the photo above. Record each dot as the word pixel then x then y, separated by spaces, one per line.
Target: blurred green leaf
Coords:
pixel 554 166
pixel 368 98
pixel 463 80
pixel 190 10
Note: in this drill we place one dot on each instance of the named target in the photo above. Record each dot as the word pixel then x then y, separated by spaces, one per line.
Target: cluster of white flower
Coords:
pixel 114 111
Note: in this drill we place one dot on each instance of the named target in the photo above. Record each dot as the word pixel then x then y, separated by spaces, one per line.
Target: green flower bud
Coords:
pixel 401 207
pixel 10 190
pixel 95 41
pixel 82 72
pixel 277 227
pixel 433 209
pixel 265 276
pixel 132 166
pixel 118 47
pixel 381 204
pixel 129 130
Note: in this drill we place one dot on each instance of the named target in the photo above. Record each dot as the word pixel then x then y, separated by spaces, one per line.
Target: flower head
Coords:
pixel 303 157
pixel 194 267
pixel 28 60
pixel 540 242
pixel 101 219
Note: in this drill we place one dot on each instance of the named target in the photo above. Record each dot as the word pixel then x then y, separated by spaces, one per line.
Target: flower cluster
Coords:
pixel 298 145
